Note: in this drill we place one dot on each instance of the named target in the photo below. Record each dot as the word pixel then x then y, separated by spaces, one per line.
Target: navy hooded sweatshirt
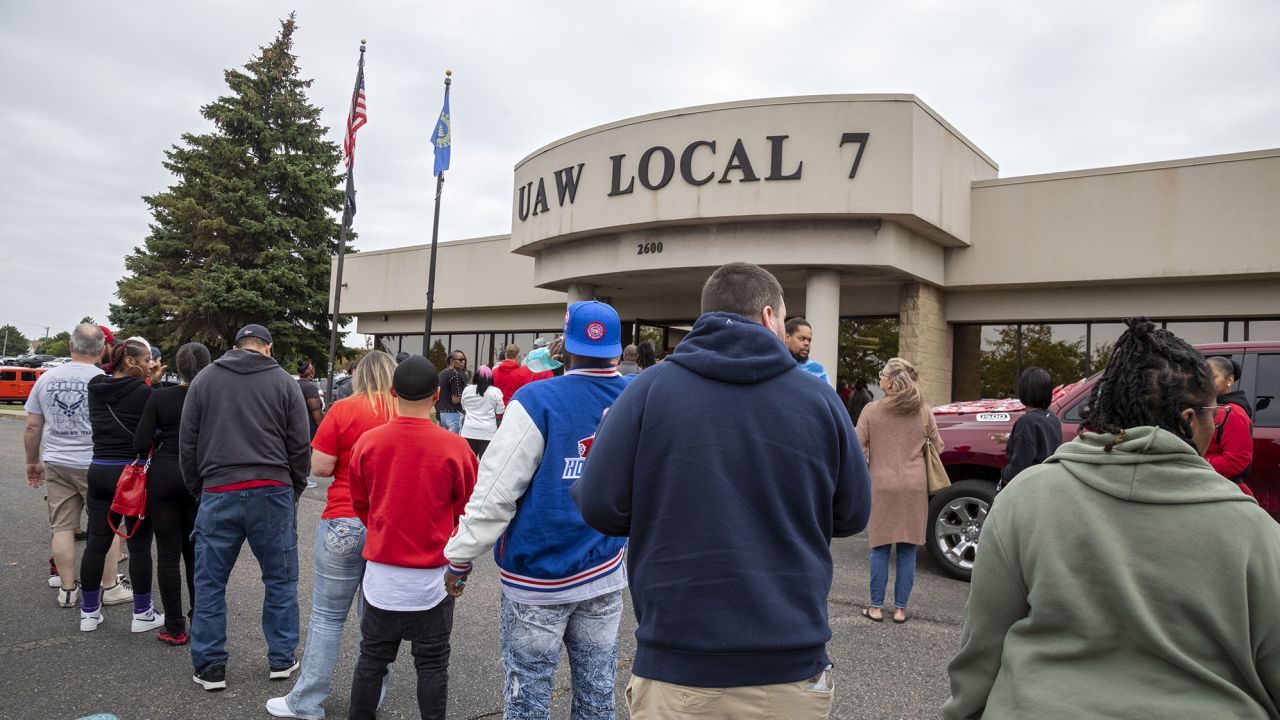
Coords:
pixel 730 506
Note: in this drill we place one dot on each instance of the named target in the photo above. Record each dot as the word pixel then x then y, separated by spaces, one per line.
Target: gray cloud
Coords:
pixel 99 91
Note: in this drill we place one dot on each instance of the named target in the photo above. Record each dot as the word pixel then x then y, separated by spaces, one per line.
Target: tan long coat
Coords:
pixel 894 444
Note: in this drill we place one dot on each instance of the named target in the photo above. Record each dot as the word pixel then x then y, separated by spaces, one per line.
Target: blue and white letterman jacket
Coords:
pixel 521 506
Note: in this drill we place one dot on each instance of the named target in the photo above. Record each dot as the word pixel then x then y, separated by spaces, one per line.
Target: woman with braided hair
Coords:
pixel 1123 577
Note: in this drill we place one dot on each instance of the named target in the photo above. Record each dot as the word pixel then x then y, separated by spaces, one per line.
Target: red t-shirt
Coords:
pixel 509 377
pixel 410 481
pixel 343 425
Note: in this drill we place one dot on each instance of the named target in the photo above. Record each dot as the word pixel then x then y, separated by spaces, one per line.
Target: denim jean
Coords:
pixel 267 518
pixel 451 421
pixel 531 636
pixel 904 579
pixel 339 570
pixel 381 632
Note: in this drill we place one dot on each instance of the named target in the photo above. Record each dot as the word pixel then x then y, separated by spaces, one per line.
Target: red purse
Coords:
pixel 130 500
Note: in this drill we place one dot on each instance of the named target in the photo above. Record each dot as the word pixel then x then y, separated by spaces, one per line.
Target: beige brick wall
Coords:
pixel 925 339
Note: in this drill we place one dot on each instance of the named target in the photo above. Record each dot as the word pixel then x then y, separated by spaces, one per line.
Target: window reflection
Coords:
pixel 1197 332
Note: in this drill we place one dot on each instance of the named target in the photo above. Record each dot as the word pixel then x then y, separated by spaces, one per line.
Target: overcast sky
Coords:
pixel 97 91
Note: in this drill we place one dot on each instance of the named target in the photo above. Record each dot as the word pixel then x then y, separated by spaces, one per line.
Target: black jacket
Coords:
pixel 1035 436
pixel 161 419
pixel 115 404
pixel 244 419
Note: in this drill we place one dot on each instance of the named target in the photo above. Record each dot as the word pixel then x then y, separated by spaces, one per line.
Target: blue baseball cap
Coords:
pixel 592 329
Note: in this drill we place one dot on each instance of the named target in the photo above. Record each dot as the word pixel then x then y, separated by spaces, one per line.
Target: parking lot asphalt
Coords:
pixel 49 669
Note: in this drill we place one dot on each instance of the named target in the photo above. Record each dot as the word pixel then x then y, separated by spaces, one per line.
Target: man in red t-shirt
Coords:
pixel 410 481
pixel 510 375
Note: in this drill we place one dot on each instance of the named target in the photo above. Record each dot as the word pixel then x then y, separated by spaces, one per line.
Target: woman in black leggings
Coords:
pixel 170 507
pixel 115 405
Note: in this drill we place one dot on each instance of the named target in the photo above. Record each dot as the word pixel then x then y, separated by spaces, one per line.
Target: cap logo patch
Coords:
pixel 595 330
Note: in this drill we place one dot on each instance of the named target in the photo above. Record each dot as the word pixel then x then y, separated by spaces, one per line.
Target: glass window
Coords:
pixel 29 377
pixel 1266 402
pixel 1102 342
pixel 525 341
pixel 999 362
pixel 1264 330
pixel 439 353
pixel 865 346
pixel 1235 331
pixel 1059 349
pixel 465 342
pixel 1197 332
pixel 411 344
pixel 484 353
pixel 9 375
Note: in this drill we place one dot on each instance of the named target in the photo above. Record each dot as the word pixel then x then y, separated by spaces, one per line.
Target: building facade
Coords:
pixel 891 233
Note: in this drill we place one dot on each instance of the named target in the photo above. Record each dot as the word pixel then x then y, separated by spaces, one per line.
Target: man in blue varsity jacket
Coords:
pixel 730 513
pixel 561 580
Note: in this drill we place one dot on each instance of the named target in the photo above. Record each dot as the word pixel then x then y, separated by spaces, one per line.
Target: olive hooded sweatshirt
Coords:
pixel 1131 583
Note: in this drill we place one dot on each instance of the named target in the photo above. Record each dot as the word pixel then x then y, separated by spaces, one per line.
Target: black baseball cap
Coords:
pixel 256 331
pixel 415 378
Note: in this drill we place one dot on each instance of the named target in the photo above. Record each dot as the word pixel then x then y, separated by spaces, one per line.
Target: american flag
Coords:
pixel 356 119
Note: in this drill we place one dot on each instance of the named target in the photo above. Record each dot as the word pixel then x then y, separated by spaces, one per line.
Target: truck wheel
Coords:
pixel 956 516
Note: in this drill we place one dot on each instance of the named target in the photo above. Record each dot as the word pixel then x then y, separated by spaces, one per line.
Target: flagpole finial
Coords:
pixel 448 73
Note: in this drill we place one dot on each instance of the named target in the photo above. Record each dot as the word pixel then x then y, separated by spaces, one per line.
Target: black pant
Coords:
pixel 172 511
pixel 102 490
pixel 380 634
pixel 478 446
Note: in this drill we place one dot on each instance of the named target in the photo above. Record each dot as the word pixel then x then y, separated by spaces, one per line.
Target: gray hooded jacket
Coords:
pixel 244 419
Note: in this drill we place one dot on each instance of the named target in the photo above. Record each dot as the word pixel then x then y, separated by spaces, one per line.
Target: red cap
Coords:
pixel 106 333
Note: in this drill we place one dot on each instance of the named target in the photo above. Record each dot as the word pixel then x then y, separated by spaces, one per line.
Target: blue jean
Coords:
pixel 267 518
pixel 531 636
pixel 451 421
pixel 904 579
pixel 339 570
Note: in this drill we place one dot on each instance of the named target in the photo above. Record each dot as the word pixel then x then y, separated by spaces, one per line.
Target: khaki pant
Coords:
pixel 656 700
pixel 65 489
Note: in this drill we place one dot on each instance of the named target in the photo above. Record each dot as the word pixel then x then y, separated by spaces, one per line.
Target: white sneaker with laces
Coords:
pixel 117 594
pixel 279 707
pixel 149 620
pixel 55 581
pixel 90 621
pixel 68 598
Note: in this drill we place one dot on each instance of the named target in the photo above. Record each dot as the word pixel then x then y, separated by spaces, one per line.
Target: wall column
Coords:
pixel 822 310
pixel 581 291
pixel 925 339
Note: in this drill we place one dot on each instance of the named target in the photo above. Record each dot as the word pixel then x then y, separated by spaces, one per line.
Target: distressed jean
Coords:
pixel 339 571
pixel 267 518
pixel 531 636
pixel 904 579
pixel 451 421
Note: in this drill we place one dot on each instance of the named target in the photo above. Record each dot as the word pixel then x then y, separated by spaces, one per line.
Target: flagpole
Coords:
pixel 342 243
pixel 435 235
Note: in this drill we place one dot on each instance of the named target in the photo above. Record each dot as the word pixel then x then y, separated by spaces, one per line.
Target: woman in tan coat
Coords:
pixel 893 431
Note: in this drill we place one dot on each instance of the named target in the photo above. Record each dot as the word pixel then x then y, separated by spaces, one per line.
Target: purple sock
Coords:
pixel 141 603
pixel 90 600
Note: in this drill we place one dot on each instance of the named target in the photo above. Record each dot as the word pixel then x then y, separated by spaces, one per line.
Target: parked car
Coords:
pixel 16 382
pixel 56 362
pixel 975 433
pixel 31 361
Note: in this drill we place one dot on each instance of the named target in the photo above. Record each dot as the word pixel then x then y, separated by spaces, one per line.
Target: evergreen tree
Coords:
pixel 13 341
pixel 246 233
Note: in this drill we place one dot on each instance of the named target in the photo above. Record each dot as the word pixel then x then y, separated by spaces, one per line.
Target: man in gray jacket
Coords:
pixel 245 453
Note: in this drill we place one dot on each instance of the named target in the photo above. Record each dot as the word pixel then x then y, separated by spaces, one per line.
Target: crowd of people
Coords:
pixel 590 470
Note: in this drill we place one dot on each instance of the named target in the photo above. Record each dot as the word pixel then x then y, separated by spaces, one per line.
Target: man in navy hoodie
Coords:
pixel 730 513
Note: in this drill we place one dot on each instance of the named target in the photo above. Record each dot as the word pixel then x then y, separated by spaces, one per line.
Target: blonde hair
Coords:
pixel 904 395
pixel 372 380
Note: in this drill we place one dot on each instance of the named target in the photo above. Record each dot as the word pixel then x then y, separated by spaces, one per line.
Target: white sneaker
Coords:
pixel 55 581
pixel 117 594
pixel 90 621
pixel 68 598
pixel 149 620
pixel 279 707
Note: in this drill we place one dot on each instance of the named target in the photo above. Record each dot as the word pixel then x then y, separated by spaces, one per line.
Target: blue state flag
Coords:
pixel 442 138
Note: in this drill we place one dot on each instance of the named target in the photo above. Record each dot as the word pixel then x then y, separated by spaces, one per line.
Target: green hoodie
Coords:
pixel 1123 584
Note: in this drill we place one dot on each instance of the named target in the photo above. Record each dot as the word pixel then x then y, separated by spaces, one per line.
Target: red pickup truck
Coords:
pixel 975 432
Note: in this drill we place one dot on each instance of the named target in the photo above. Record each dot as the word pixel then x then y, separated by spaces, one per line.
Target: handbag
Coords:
pixel 935 472
pixel 130 499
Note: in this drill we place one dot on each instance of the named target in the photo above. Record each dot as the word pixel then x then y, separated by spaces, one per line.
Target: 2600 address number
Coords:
pixel 648 248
